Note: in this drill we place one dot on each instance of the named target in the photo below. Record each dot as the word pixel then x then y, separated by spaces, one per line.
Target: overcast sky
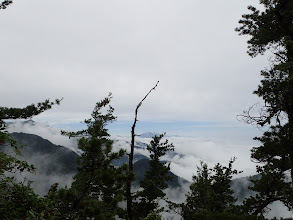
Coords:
pixel 82 50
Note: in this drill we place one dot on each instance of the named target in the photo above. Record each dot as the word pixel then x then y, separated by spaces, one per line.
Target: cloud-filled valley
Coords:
pixel 189 150
pixel 184 160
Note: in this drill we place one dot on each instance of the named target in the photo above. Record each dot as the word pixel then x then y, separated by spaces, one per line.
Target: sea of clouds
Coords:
pixel 189 152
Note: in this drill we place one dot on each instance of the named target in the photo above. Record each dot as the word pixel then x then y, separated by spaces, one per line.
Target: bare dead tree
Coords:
pixel 130 169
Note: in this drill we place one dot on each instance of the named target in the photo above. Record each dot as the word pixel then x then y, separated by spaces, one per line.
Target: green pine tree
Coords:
pixel 98 186
pixel 274 184
pixel 5 3
pixel 210 194
pixel 155 180
pixel 17 199
pixel 271 29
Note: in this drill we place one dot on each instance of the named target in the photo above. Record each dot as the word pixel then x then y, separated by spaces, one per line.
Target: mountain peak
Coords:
pixel 149 135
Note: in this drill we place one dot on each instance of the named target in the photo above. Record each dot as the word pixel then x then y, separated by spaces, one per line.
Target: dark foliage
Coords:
pixel 155 179
pixel 210 193
pixel 4 4
pixel 98 186
pixel 272 30
pixel 17 199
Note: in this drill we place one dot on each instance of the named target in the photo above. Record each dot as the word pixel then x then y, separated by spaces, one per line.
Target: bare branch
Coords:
pixel 264 116
pixel 128 192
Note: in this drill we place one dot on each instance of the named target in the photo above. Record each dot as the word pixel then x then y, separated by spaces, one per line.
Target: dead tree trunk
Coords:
pixel 130 168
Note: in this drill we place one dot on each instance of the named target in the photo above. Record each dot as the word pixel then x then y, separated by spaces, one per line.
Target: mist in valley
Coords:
pixel 52 166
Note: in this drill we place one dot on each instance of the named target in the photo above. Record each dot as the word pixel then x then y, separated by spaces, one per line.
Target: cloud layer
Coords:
pixel 189 151
pixel 86 50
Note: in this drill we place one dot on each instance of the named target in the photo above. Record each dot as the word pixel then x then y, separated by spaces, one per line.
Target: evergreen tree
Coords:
pixel 17 199
pixel 274 184
pixel 98 186
pixel 5 3
pixel 153 215
pixel 272 29
pixel 155 180
pixel 210 193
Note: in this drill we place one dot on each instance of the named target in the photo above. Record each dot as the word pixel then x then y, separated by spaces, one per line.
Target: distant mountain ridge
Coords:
pixel 149 135
pixel 62 160
pixel 55 161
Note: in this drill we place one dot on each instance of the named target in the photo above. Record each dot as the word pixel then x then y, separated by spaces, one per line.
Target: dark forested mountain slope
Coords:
pixel 47 157
pixel 55 162
pixel 142 166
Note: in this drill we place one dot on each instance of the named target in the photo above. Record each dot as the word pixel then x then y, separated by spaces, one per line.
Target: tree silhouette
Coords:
pixel 272 30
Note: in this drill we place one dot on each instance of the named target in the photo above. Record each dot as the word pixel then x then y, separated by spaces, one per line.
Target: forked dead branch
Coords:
pixel 130 169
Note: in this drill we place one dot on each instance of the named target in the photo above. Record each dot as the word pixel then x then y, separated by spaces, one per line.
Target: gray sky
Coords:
pixel 83 50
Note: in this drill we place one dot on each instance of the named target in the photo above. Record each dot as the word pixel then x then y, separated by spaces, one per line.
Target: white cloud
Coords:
pixel 278 210
pixel 190 151
pixel 86 50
